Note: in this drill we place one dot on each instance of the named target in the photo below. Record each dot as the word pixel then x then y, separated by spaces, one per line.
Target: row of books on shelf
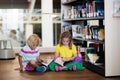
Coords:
pixel 90 9
pixel 65 1
pixel 91 32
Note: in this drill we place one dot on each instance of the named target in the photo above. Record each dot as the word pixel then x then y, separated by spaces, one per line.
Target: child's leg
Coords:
pixel 66 67
pixel 69 65
pixel 60 68
pixel 31 65
pixel 73 65
pixel 29 68
pixel 41 68
pixel 79 66
pixel 52 66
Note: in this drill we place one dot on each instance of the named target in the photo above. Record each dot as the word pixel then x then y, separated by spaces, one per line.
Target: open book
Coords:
pixel 59 61
pixel 93 57
pixel 49 60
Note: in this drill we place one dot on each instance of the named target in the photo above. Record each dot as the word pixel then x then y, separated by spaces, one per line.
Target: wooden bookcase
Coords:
pixel 85 18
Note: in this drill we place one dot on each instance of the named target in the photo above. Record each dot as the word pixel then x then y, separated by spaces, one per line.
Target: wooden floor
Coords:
pixel 8 72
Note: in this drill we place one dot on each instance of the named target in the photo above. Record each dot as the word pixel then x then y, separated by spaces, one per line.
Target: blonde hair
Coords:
pixel 33 39
pixel 66 34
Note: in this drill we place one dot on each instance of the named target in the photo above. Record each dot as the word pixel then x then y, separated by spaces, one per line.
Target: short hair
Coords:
pixel 66 34
pixel 32 39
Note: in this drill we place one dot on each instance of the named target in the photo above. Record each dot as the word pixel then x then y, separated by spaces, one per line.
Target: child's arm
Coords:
pixel 41 60
pixel 75 55
pixel 57 55
pixel 70 59
pixel 20 63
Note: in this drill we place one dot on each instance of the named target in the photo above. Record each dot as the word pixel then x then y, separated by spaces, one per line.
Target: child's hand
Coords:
pixel 66 59
pixel 45 61
pixel 40 59
pixel 20 69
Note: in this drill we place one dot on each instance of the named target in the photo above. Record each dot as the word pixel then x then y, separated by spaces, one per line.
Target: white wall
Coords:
pixel 112 41
pixel 29 30
pixel 47 23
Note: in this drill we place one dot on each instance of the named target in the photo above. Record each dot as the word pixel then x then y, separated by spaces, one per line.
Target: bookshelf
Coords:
pixel 93 18
pixel 85 20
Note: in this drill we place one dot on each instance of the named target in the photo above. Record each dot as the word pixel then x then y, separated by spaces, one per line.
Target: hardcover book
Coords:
pixel 59 61
pixel 49 60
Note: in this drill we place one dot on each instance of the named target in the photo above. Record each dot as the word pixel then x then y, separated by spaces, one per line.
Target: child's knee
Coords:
pixel 32 62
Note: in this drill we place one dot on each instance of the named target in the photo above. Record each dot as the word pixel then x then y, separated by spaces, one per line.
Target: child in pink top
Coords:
pixel 29 58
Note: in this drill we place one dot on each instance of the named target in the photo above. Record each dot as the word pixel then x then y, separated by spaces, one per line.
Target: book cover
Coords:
pixel 101 34
pixel 94 32
pixel 98 7
pixel 93 58
pixel 59 61
pixel 77 31
pixel 49 60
